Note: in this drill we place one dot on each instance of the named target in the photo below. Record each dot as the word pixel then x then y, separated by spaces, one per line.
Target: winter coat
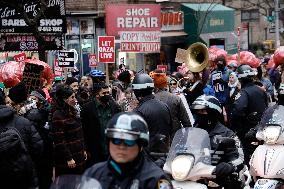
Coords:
pixel 145 174
pixel 178 111
pixel 191 93
pixel 94 131
pixel 31 138
pixel 158 117
pixel 67 135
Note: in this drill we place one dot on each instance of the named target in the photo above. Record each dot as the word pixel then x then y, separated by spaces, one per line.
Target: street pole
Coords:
pixel 277 40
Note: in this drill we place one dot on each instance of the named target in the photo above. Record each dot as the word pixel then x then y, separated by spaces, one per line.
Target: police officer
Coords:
pixel 156 113
pixel 248 108
pixel 226 152
pixel 128 166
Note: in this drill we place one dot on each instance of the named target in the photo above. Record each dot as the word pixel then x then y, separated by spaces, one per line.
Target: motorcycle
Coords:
pixel 266 163
pixel 75 182
pixel 189 159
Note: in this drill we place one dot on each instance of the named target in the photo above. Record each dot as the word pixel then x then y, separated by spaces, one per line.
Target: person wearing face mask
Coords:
pixel 226 152
pixel 39 116
pixel 95 115
pixel 220 79
pixel 67 134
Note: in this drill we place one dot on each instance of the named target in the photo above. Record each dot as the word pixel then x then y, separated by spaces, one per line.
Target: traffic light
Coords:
pixel 270 18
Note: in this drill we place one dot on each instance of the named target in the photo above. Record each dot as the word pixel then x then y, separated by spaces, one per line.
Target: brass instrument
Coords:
pixel 197 57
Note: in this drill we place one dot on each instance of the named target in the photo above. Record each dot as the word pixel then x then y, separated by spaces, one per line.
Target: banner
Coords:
pixel 29 43
pixel 106 49
pixel 132 17
pixel 52 21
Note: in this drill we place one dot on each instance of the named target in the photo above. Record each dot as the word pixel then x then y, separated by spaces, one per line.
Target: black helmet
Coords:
pixel 245 71
pixel 129 126
pixel 207 102
pixel 142 81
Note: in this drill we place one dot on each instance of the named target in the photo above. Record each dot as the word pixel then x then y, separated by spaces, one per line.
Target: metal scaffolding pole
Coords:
pixel 277 40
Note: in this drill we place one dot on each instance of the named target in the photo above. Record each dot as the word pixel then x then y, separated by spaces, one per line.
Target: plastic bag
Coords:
pixel 278 56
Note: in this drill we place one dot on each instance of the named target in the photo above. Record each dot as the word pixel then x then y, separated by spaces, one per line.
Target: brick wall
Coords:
pixel 82 5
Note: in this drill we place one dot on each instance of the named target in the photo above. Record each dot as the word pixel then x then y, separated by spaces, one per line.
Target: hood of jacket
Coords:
pixel 6 112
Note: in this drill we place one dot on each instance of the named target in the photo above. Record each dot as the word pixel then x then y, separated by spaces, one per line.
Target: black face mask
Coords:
pixel 204 121
pixel 105 99
pixel 220 66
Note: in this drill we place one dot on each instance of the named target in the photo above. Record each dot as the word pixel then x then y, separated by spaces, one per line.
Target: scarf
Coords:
pixel 234 85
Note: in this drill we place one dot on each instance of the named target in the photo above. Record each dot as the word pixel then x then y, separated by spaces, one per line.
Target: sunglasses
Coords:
pixel 128 143
pixel 173 83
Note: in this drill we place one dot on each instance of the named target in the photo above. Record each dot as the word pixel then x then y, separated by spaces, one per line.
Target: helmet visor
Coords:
pixel 122 134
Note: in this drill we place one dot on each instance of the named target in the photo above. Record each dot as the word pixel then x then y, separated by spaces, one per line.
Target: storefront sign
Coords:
pixel 29 43
pixel 53 19
pixel 93 60
pixel 66 59
pixel 148 42
pixel 106 49
pixel 171 20
pixel 181 56
pixel 138 17
pixel 20 57
pixel 31 76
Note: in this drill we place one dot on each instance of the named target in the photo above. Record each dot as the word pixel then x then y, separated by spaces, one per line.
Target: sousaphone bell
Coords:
pixel 197 57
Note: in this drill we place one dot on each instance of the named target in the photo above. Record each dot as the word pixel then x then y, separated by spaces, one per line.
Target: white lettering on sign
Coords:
pixel 30 8
pixel 4 13
pixel 134 36
pixel 52 3
pixel 106 49
pixel 106 55
pixel 217 22
pixel 13 22
pixel 138 12
pixel 133 22
pixel 51 22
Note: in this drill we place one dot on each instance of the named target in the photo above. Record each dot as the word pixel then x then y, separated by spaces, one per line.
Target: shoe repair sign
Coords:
pixel 132 17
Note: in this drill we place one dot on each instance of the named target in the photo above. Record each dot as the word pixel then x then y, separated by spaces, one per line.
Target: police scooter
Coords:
pixel 189 159
pixel 266 164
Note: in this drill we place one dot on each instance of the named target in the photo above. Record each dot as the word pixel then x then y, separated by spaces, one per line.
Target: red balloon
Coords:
pixel 11 73
pixel 215 52
pixel 278 57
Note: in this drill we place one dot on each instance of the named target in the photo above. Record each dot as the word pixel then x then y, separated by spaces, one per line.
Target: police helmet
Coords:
pixel 128 126
pixel 272 116
pixel 96 74
pixel 245 71
pixel 142 81
pixel 207 102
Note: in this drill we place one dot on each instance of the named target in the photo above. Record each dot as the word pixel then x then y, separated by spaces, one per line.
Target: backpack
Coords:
pixel 15 160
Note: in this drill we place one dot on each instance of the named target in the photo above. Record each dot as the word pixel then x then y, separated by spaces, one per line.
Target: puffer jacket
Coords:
pixel 178 111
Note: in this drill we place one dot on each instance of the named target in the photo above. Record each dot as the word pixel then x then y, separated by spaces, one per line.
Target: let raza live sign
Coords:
pixel 106 49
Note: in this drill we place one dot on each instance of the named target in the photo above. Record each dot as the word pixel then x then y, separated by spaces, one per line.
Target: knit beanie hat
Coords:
pixel 39 94
pixel 160 80
pixel 63 92
pixel 18 93
pixel 70 80
pixel 124 77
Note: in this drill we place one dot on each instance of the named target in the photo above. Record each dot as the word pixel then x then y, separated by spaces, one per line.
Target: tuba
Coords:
pixel 197 57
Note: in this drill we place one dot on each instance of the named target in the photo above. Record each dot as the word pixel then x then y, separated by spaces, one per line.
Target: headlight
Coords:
pixel 271 134
pixel 181 166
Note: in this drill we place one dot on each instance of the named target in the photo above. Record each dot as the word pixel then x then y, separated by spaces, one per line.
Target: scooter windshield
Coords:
pixel 75 182
pixel 191 141
pixel 272 116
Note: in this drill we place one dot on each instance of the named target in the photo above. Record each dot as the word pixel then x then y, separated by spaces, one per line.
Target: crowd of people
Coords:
pixel 111 132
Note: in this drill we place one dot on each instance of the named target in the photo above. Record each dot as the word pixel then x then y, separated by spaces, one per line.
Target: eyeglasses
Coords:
pixel 128 143
pixel 173 83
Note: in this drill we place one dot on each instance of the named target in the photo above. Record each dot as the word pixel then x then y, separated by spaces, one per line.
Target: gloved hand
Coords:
pixel 223 169
pixel 251 135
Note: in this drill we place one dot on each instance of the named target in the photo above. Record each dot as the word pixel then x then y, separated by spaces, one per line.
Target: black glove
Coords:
pixel 251 135
pixel 224 169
